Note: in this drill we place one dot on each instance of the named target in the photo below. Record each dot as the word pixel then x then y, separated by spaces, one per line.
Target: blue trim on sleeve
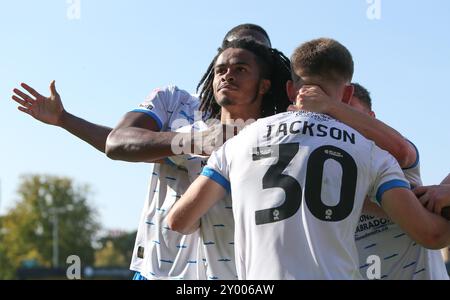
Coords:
pixel 138 276
pixel 217 177
pixel 150 114
pixel 417 157
pixel 391 185
pixel 169 162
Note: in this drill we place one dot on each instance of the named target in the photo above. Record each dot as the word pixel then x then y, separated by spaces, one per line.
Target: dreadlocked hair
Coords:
pixel 275 66
pixel 237 31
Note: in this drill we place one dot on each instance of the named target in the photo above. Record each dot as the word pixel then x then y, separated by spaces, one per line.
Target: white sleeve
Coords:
pixel 217 168
pixel 160 104
pixel 387 172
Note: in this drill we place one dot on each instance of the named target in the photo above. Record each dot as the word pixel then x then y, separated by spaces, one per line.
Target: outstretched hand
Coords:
pixel 45 109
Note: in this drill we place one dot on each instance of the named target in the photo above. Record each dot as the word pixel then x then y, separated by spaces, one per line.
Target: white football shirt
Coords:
pixel 217 225
pixel 298 181
pixel 160 253
pixel 401 257
pixel 164 254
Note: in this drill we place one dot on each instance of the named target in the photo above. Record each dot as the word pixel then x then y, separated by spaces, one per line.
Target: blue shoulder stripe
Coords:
pixel 391 185
pixel 150 114
pixel 217 177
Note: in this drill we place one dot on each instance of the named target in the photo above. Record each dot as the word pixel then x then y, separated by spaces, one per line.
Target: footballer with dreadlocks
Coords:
pixel 144 135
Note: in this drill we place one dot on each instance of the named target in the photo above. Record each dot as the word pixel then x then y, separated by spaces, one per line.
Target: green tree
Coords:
pixel 116 250
pixel 109 256
pixel 26 232
pixel 6 267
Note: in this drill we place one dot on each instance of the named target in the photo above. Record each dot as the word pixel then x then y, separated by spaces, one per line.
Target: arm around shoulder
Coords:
pixel 428 229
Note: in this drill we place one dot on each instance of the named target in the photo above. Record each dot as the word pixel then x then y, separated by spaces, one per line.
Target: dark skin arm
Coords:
pixel 93 134
pixel 135 126
pixel 50 110
pixel 137 139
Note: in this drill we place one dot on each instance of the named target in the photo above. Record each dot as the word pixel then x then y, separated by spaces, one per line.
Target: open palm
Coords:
pixel 45 109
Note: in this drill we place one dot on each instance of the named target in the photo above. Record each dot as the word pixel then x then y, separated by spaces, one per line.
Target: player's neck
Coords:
pixel 239 112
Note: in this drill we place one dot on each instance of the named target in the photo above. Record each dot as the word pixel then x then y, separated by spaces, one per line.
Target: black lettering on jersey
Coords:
pixel 377 223
pixel 370 222
pixel 322 129
pixel 361 227
pixel 348 136
pixel 274 178
pixel 336 133
pixel 308 127
pixel 147 106
pixel 269 131
pixel 261 153
pixel 373 224
pixel 364 218
pixel 292 130
pixel 313 184
pixel 282 129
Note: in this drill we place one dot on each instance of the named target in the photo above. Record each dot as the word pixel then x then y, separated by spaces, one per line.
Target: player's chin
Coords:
pixel 225 99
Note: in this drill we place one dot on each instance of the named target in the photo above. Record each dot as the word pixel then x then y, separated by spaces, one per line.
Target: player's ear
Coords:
pixel 372 114
pixel 290 89
pixel 348 93
pixel 264 86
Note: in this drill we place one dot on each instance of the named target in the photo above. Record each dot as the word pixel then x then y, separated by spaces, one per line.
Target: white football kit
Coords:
pixel 401 257
pixel 298 181
pixel 217 225
pixel 160 253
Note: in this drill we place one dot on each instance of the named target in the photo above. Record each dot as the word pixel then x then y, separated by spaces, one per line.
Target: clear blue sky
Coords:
pixel 107 61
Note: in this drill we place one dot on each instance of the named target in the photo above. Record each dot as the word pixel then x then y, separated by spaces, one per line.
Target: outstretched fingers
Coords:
pixel 30 90
pixel 22 102
pixel 24 96
pixel 25 110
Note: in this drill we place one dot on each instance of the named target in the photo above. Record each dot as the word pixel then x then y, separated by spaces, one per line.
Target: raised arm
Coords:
pixel 185 215
pixel 50 110
pixel 403 208
pixel 137 139
pixel 313 98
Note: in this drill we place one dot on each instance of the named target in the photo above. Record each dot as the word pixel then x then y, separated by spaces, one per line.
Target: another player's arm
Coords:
pixel 312 98
pixel 383 135
pixel 372 209
pixel 137 138
pixel 50 110
pixel 184 217
pixel 402 207
pixel 434 197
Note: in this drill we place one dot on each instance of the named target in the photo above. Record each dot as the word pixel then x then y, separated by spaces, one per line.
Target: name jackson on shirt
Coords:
pixel 311 129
